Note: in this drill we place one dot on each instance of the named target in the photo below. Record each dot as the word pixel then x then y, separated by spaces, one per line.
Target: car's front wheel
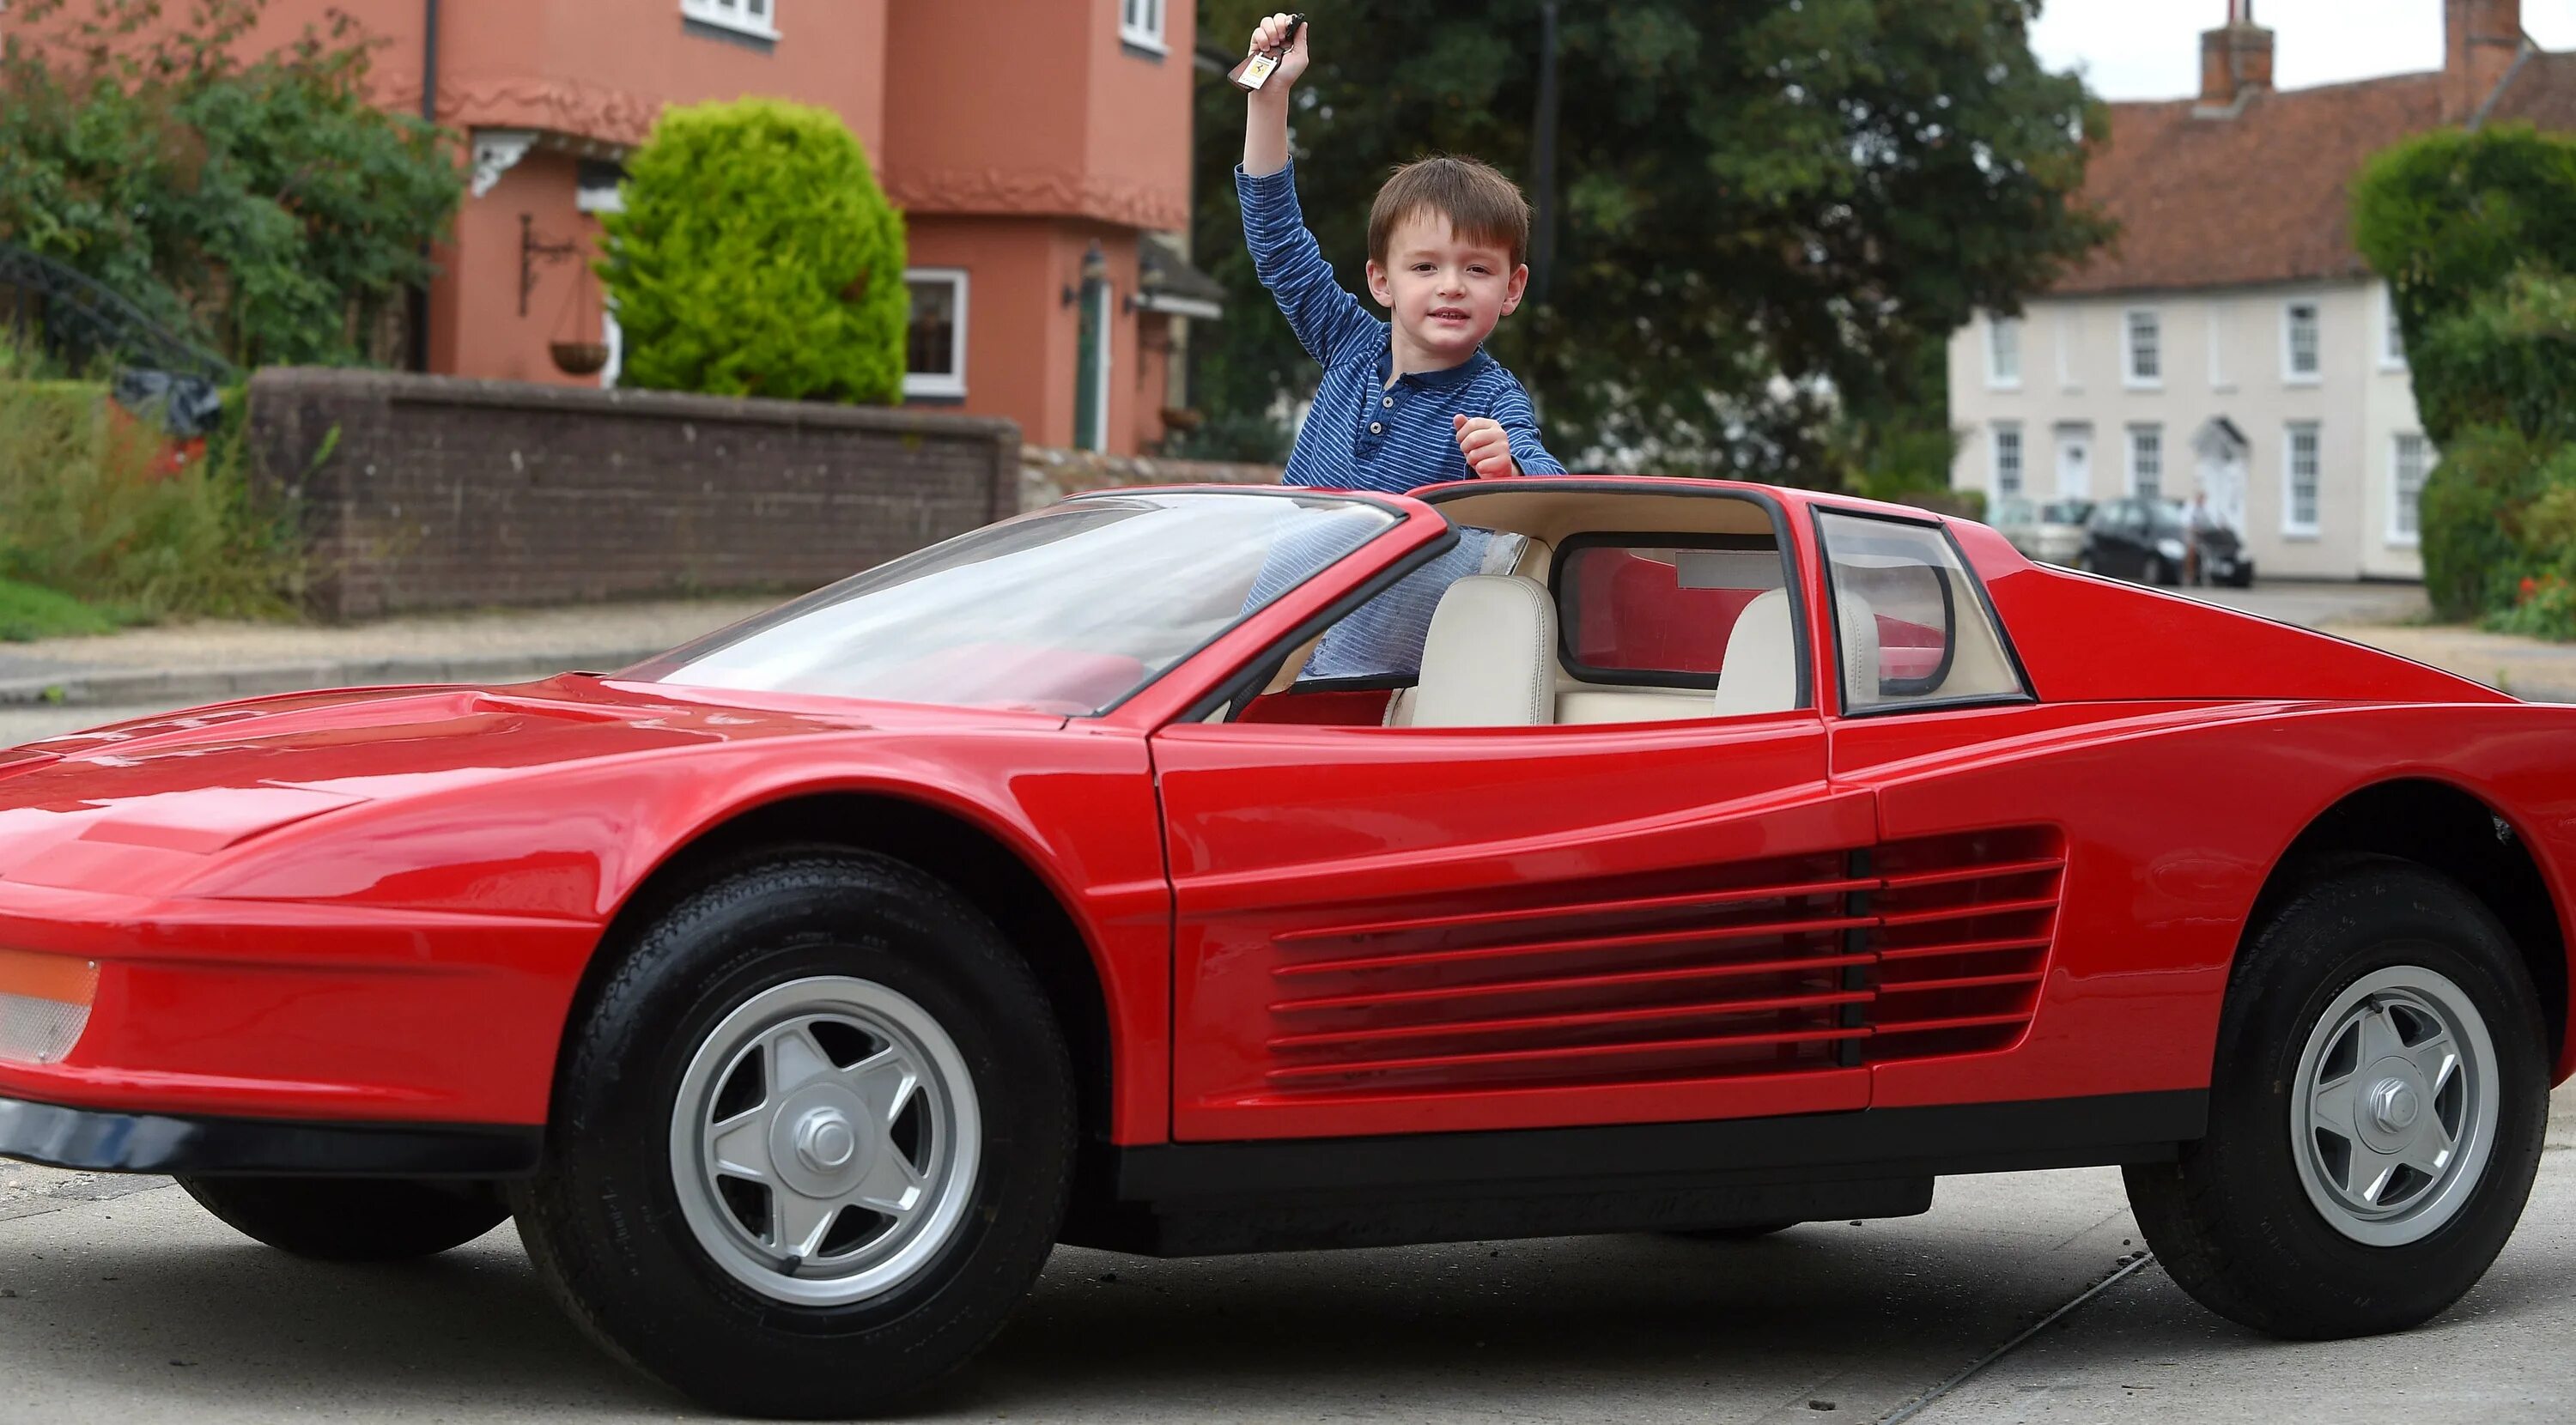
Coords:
pixel 811 1142
pixel 2375 1116
pixel 352 1219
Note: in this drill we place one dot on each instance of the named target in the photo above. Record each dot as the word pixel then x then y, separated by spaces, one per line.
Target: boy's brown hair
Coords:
pixel 1478 201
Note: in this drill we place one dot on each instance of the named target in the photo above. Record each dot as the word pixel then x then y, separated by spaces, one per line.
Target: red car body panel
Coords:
pixel 377 906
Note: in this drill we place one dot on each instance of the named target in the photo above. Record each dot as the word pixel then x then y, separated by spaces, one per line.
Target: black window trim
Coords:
pixel 1985 600
pixel 1567 604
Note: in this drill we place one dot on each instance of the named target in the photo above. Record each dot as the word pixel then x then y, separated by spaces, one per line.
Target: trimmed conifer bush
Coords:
pixel 758 257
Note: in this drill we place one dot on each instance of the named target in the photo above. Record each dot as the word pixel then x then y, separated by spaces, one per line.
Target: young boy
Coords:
pixel 1413 400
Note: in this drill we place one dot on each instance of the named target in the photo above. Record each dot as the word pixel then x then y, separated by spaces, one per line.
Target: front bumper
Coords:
pixel 106 1141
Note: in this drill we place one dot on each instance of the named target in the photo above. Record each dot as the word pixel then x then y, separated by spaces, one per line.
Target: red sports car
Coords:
pixel 1198 871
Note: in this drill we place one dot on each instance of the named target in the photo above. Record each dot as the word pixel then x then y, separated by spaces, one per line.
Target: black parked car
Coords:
pixel 2149 541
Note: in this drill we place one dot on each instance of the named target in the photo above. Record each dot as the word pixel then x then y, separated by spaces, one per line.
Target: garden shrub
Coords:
pixel 757 257
pixel 263 207
pixel 85 511
pixel 2473 517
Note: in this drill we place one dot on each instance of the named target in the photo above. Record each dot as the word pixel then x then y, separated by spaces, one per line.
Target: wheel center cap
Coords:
pixel 824 1140
pixel 2394 1104
pixel 821 1141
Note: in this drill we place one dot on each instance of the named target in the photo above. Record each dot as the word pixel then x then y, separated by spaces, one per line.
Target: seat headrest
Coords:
pixel 1759 671
pixel 1489 659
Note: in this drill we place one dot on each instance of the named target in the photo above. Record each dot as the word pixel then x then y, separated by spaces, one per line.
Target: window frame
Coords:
pixel 2129 376
pixel 933 384
pixel 2134 430
pixel 1995 460
pixel 2399 538
pixel 1567 604
pixel 733 15
pixel 1997 328
pixel 1142 36
pixel 2291 528
pixel 2392 337
pixel 2291 375
pixel 1984 602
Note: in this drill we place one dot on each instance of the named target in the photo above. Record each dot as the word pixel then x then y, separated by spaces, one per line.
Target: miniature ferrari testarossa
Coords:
pixel 1222 870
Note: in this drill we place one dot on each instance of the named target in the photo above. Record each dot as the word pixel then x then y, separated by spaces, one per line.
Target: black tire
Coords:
pixel 603 1221
pixel 353 1219
pixel 2231 1220
pixel 1731 1234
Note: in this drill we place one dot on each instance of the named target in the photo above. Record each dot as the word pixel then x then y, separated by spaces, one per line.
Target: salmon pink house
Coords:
pixel 1037 150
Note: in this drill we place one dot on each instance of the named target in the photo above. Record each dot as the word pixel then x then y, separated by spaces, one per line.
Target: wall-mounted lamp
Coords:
pixel 1095 270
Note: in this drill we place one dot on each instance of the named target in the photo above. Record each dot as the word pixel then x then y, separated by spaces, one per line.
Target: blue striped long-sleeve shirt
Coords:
pixel 1362 433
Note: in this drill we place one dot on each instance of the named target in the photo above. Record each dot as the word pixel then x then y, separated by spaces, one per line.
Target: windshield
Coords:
pixel 1067 610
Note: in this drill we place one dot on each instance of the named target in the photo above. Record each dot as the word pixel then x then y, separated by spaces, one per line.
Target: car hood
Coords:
pixel 209 779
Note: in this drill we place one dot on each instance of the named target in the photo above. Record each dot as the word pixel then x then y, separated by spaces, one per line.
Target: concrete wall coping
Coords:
pixel 412 388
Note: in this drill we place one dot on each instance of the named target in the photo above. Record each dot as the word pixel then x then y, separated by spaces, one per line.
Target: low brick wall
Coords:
pixel 1049 473
pixel 435 492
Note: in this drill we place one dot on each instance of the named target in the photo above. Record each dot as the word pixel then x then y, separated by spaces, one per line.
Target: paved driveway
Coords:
pixel 2324 603
pixel 140 1308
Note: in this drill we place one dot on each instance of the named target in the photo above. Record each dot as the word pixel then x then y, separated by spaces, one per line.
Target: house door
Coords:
pixel 2224 479
pixel 2075 463
pixel 1091 368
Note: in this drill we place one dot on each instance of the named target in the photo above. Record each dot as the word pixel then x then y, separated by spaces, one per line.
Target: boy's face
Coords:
pixel 1443 291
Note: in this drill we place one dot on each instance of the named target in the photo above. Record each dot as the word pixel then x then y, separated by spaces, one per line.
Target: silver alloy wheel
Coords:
pixel 2395 1113
pixel 825 1141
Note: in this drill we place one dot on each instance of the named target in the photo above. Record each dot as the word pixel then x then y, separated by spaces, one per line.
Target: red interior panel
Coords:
pixel 1631 614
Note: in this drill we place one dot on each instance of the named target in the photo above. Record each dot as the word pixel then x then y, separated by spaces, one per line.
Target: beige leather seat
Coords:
pixel 1759 673
pixel 1490 657
pixel 1859 650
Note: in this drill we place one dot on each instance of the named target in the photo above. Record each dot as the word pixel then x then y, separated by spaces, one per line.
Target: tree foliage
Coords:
pixel 757 257
pixel 2475 232
pixel 1769 211
pixel 261 205
pixel 2450 219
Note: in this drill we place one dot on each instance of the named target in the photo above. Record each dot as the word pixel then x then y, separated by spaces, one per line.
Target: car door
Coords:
pixel 1406 929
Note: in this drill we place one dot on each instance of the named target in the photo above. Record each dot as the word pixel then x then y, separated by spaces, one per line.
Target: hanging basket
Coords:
pixel 579 358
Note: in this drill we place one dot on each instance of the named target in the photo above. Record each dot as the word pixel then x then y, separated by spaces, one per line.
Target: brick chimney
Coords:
pixel 2236 58
pixel 2480 39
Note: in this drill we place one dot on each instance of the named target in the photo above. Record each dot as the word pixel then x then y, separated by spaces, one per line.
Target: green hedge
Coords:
pixel 757 257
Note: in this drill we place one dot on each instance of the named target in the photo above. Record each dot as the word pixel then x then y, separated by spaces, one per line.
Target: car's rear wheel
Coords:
pixel 811 1142
pixel 352 1219
pixel 2376 1113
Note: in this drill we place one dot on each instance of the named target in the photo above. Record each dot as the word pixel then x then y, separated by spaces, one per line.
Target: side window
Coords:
pixel 1656 614
pixel 1911 625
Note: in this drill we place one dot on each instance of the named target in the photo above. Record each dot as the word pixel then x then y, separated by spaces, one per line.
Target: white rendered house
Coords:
pixel 2230 341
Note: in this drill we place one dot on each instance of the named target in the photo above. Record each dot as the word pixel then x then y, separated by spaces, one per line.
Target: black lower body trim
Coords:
pixel 106 1141
pixel 1189 1198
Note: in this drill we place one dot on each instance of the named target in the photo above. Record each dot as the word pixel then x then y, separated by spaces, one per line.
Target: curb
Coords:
pixel 178 687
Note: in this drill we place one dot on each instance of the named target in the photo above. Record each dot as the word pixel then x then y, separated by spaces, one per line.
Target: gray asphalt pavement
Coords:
pixel 141 1308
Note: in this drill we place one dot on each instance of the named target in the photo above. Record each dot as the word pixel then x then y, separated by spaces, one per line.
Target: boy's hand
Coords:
pixel 1267 35
pixel 1486 445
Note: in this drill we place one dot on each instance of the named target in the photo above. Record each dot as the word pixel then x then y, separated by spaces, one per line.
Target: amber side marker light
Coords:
pixel 44 1005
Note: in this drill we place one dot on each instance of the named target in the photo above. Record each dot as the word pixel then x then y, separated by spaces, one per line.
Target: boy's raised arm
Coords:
pixel 1284 254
